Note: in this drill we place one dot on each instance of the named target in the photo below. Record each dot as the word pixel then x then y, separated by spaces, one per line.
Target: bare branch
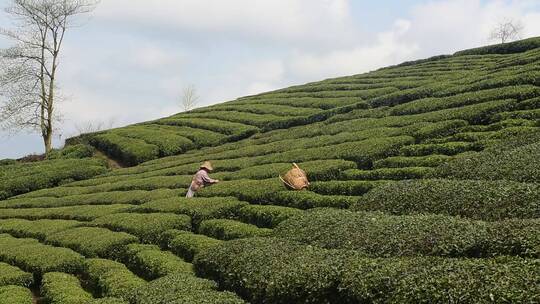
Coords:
pixel 507 31
pixel 189 98
pixel 28 88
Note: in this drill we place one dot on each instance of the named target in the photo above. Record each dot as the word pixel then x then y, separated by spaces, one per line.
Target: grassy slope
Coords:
pixel 436 158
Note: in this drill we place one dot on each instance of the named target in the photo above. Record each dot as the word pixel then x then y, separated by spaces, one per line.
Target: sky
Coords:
pixel 130 59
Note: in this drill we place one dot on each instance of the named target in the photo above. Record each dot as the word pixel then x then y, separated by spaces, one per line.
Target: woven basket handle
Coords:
pixel 294 164
pixel 285 182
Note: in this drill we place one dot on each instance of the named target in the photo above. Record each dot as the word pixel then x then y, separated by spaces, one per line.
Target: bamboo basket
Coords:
pixel 295 179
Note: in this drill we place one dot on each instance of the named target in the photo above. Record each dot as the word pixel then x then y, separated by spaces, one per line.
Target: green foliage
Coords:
pixel 232 129
pixel 439 129
pixel 11 275
pixel 183 288
pixel 272 271
pixel 129 151
pixel 449 148
pixel 73 151
pixel 504 48
pixel 92 241
pixel 476 199
pixel 344 187
pixel 381 235
pixel 133 197
pixel 112 279
pixel 149 262
pixel 146 226
pixel 411 161
pixel 39 229
pixel 187 245
pixel 389 173
pixel 502 162
pixel 168 142
pixel 62 288
pixel 198 209
pixel 224 229
pixel 80 213
pixel 266 216
pixel 34 257
pixel 15 295
pixel 22 178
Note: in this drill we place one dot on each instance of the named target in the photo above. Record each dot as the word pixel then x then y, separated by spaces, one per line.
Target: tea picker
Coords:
pixel 201 179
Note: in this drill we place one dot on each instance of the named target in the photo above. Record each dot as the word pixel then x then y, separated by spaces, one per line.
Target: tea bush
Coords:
pixel 15 295
pixel 198 209
pixel 266 216
pixel 112 279
pixel 380 235
pixel 11 275
pixel 149 262
pixel 39 229
pixel 182 288
pixel 476 199
pixel 187 245
pixel 63 288
pixel 224 229
pixel 146 226
pixel 37 258
pixel 92 241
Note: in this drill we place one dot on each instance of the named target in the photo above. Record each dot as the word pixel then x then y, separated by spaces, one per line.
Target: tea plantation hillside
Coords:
pixel 425 189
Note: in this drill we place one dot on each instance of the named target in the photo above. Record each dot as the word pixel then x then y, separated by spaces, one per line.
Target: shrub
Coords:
pixel 24 178
pixel 439 280
pixel 80 213
pixel 483 200
pixel 266 216
pixel 129 151
pixel 439 129
pixel 198 209
pixel 380 235
pixel 134 197
pixel 62 288
pixel 149 262
pixel 15 295
pixel 182 288
pixel 308 199
pixel 411 161
pixel 74 151
pixel 503 162
pixel 272 271
pixel 344 187
pixel 93 242
pixel 224 229
pixel 389 173
pixel 146 226
pixel 34 257
pixel 112 279
pixel 11 275
pixel 187 245
pixel 503 48
pixel 234 130
pixel 39 229
pixel 449 148
pixel 168 142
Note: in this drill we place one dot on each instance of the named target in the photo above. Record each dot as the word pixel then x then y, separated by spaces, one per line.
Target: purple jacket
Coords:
pixel 201 179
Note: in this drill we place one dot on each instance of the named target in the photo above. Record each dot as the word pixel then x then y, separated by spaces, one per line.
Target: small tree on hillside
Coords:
pixel 507 31
pixel 28 70
pixel 190 98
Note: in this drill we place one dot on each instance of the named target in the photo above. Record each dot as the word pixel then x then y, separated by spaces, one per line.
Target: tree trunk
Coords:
pixel 47 140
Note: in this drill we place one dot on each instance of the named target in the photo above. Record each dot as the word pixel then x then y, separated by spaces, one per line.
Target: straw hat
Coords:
pixel 207 165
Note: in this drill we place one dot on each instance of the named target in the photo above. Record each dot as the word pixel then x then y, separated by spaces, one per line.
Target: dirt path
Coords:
pixel 113 164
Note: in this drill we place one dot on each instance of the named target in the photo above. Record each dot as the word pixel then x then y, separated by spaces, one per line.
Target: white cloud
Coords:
pixel 387 49
pixel 292 20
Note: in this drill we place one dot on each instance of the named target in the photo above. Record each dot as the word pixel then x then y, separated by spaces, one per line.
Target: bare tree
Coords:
pixel 28 70
pixel 189 98
pixel 506 31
